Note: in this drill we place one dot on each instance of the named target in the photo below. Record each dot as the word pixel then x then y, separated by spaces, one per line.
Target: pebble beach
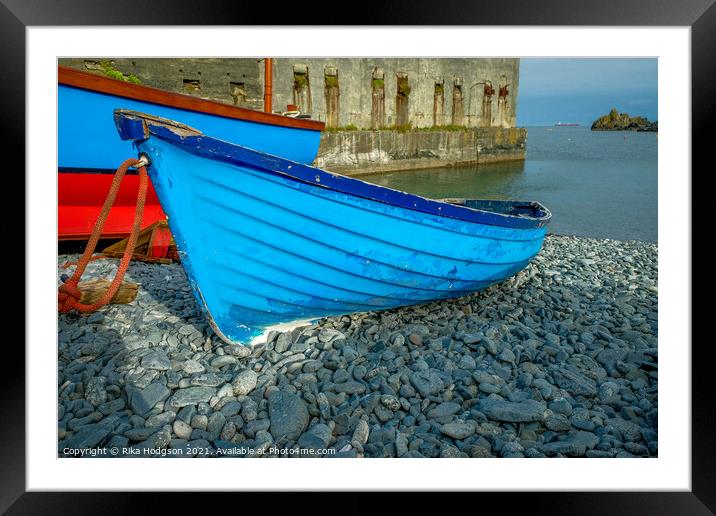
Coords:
pixel 560 360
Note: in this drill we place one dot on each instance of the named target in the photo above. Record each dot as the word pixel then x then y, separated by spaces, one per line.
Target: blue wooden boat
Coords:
pixel 266 241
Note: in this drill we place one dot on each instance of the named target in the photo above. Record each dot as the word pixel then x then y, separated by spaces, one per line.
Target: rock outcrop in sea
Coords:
pixel 616 121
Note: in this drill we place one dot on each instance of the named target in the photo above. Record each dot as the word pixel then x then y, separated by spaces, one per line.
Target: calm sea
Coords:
pixel 597 184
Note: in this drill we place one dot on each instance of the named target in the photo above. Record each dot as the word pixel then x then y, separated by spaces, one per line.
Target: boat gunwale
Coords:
pixel 133 125
pixel 105 85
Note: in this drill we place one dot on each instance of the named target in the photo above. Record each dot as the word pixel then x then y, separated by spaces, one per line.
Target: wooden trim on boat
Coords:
pixel 93 82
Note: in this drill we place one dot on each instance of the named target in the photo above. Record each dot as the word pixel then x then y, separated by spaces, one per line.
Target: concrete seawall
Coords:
pixel 364 152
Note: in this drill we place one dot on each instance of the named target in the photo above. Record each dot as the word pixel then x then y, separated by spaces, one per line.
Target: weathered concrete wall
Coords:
pixel 363 152
pixel 233 81
pixel 461 85
pixel 435 91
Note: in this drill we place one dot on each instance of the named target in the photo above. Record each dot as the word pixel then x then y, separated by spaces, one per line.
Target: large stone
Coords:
pixel 329 335
pixel 458 430
pixel 557 423
pixel 350 387
pixel 361 432
pixel 316 438
pixel 427 383
pixel 283 342
pixel 222 361
pixel 288 414
pixel 575 383
pixel 89 437
pixel 192 367
pixel 159 440
pixel 630 431
pixel 189 396
pixel 207 380
pixel 181 429
pixel 443 410
pixel 95 391
pixel 142 401
pixel 238 350
pixel 513 412
pixel 245 382
pixel 156 360
pixel 576 444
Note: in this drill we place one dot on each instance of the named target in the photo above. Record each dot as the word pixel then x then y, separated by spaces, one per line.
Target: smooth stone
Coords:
pixel 142 401
pixel 561 406
pixel 361 432
pixel 207 380
pixel 427 383
pixel 341 376
pixel 513 412
pixel 443 410
pixel 244 382
pixel 557 423
pixel 190 396
pixel 288 415
pixel 192 367
pixel 575 383
pixel 316 438
pixel 458 430
pixel 181 429
pixel 231 408
pixel 89 436
pixel 329 335
pixel 223 361
pixel 350 388
pixel 282 343
pixel 157 360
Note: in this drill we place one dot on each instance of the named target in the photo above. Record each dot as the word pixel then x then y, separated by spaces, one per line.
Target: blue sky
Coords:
pixel 581 90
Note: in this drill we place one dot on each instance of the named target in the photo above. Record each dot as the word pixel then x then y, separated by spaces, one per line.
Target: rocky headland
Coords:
pixel 615 121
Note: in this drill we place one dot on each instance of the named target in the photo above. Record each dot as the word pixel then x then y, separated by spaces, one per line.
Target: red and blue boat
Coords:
pixel 269 242
pixel 89 150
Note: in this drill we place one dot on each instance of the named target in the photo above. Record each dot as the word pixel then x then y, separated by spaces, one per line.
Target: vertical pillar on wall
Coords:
pixel 402 97
pixel 457 109
pixel 503 106
pixel 488 92
pixel 302 88
pixel 377 110
pixel 439 103
pixel 332 93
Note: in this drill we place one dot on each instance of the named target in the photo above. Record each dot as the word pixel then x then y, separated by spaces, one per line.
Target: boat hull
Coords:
pixel 89 150
pixel 81 195
pixel 262 248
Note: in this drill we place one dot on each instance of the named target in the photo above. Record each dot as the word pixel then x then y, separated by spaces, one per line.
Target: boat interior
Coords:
pixel 528 209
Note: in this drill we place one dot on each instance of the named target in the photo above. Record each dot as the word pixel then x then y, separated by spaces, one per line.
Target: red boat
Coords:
pixel 89 149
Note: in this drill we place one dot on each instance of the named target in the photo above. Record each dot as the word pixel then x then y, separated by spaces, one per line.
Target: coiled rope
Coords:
pixel 69 295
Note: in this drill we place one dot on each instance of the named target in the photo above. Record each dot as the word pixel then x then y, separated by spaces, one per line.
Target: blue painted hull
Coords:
pixel 87 137
pixel 265 241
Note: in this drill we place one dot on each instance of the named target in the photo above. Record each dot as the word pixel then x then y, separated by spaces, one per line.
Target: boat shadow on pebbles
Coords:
pixel 559 361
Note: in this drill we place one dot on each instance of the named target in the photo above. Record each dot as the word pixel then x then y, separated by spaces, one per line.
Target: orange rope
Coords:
pixel 68 295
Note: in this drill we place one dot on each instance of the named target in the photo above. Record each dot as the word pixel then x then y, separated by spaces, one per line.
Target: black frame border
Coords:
pixel 699 15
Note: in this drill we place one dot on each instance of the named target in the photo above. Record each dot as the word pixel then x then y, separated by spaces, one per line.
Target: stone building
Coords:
pixel 363 93
pixel 371 93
